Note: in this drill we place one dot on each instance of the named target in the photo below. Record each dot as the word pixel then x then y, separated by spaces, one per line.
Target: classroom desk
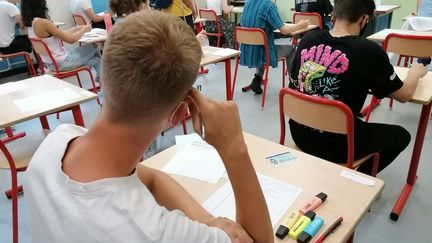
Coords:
pixel 422 96
pixel 97 38
pixel 209 58
pixel 381 35
pixel 346 198
pixel 299 32
pixel 383 18
pixel 58 24
pixel 11 114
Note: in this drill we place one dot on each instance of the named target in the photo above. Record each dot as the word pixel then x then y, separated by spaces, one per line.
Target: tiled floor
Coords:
pixel 413 224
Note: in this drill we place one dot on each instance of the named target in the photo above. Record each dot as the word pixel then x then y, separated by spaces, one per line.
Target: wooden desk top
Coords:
pixel 199 20
pixel 11 114
pixel 237 9
pixel 210 58
pixel 298 32
pixel 346 198
pixel 423 93
pixel 386 8
pixel 381 35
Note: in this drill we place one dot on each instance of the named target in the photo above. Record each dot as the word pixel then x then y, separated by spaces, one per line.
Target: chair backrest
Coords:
pixel 41 48
pixel 108 23
pixel 314 18
pixel 319 113
pixel 79 20
pixel 252 36
pixel 208 14
pixel 409 45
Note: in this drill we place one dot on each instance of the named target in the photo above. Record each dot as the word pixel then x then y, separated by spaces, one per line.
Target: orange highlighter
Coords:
pixel 314 203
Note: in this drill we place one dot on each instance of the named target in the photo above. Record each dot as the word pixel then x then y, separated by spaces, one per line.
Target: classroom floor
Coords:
pixel 413 224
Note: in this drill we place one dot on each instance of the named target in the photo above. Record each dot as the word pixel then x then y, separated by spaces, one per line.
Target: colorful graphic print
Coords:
pixel 320 70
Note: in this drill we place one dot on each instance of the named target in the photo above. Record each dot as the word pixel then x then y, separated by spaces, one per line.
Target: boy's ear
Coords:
pixel 178 115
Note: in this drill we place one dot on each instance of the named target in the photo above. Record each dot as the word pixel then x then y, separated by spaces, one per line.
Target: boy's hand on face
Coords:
pixel 234 230
pixel 418 70
pixel 221 121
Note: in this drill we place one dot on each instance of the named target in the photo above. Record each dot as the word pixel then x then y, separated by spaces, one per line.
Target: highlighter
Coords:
pixel 287 224
pixel 310 231
pixel 301 224
pixel 314 203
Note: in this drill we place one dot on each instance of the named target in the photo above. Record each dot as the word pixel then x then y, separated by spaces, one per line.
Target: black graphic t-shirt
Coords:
pixel 343 68
pixel 323 7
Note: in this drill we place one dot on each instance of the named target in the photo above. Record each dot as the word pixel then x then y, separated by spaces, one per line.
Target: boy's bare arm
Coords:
pixel 223 130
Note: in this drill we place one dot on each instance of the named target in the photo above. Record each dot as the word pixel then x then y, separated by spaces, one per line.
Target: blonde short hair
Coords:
pixel 149 64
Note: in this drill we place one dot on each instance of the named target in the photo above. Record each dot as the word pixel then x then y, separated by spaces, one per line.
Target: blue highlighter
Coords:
pixel 310 231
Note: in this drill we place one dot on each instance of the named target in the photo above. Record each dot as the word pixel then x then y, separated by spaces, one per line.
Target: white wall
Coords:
pixel 59 11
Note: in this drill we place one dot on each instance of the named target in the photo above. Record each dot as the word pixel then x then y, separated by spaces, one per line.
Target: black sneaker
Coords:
pixel 256 85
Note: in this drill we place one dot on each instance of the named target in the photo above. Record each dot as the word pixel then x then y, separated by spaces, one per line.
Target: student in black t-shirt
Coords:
pixel 340 65
pixel 323 7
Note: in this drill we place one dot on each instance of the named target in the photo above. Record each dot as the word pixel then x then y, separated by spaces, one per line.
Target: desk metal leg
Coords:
pixel 44 122
pixel 229 90
pixel 77 115
pixel 415 158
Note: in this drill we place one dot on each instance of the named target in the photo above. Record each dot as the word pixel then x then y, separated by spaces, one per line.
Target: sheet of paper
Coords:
pixel 46 99
pixel 11 87
pixel 357 178
pixel 224 52
pixel 278 195
pixel 196 159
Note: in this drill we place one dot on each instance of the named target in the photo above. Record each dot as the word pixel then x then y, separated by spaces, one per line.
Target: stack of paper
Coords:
pixel 278 195
pixel 196 159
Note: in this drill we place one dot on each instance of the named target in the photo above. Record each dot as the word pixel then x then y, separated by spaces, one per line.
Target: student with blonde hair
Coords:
pixel 94 186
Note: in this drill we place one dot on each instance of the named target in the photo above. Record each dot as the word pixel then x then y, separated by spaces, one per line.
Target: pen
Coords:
pixel 330 230
pixel 277 154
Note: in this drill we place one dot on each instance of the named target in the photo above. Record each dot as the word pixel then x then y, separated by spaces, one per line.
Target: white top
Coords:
pixel 215 5
pixel 7 23
pixel 57 49
pixel 109 210
pixel 79 7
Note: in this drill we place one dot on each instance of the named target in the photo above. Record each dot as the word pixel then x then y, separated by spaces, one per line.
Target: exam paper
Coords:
pixel 196 159
pixel 224 52
pixel 12 87
pixel 278 195
pixel 46 99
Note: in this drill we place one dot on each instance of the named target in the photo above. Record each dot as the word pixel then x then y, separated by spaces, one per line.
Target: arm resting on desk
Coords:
pixel 288 29
pixel 405 93
pixel 172 195
pixel 95 18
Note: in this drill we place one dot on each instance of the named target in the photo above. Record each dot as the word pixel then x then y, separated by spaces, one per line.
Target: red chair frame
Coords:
pixel 374 102
pixel 307 15
pixel 214 18
pixel 266 65
pixel 59 74
pixel 14 180
pixel 79 17
pixel 349 122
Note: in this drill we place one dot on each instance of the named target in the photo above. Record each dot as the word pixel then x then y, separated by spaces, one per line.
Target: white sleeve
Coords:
pixel 163 226
pixel 84 5
pixel 12 10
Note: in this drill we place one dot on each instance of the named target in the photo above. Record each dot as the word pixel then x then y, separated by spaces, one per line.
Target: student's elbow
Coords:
pixel 402 96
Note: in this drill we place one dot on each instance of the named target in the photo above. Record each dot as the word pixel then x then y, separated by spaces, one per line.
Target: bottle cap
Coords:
pixel 304 237
pixel 282 232
pixel 322 196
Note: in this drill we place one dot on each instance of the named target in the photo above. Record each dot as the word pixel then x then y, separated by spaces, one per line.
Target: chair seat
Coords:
pixel 356 163
pixel 22 149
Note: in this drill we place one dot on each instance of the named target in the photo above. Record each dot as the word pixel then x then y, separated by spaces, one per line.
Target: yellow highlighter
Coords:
pixel 301 224
pixel 287 224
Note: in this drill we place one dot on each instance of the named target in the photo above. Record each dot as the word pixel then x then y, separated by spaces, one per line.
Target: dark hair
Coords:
pixel 31 9
pixel 353 10
pixel 125 7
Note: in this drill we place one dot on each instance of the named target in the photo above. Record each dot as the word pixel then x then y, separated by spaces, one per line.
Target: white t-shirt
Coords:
pixel 109 210
pixel 7 22
pixel 215 5
pixel 79 7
